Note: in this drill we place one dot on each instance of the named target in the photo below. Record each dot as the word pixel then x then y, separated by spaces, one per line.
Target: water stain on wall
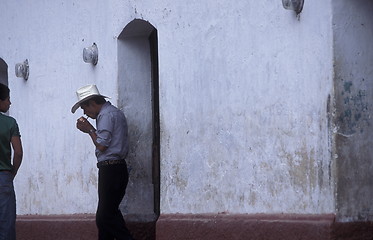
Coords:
pixel 301 168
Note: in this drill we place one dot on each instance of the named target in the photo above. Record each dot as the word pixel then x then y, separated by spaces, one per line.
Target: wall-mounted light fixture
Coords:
pixel 90 54
pixel 22 70
pixel 295 5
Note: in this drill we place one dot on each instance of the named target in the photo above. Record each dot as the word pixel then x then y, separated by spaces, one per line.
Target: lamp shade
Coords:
pixel 295 5
pixel 90 54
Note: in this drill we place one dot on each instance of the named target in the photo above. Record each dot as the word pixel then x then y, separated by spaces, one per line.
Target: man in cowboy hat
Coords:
pixel 111 142
pixel 9 138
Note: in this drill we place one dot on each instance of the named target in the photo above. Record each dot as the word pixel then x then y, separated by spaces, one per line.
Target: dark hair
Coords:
pixel 4 92
pixel 97 99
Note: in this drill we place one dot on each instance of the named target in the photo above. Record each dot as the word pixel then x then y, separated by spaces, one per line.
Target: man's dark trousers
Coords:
pixel 112 183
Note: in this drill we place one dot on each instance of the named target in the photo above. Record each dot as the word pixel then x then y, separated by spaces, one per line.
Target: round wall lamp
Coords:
pixel 22 70
pixel 295 5
pixel 90 54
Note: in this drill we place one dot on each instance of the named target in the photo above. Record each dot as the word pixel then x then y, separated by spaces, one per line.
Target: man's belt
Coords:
pixel 110 162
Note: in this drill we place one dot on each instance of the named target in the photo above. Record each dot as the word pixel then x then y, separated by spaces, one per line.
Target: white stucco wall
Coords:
pixel 244 109
pixel 58 175
pixel 244 89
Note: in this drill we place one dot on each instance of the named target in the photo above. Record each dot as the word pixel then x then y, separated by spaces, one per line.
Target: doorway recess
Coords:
pixel 138 97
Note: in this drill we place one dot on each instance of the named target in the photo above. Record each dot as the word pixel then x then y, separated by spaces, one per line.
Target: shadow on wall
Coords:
pixel 138 99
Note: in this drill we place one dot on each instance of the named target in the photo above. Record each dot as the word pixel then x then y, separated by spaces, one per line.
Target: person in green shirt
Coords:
pixel 10 139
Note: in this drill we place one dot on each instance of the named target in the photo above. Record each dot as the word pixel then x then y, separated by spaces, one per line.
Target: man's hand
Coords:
pixel 84 125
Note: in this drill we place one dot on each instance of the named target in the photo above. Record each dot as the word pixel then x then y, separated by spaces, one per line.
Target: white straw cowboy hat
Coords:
pixel 85 93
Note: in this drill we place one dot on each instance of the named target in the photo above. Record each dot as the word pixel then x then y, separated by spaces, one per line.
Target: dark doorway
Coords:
pixel 3 72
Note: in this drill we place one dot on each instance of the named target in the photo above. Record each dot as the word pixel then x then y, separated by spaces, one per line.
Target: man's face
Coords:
pixel 5 105
pixel 90 109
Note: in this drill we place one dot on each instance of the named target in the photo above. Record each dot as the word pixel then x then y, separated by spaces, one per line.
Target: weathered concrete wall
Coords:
pixel 244 92
pixel 58 175
pixel 244 119
pixel 353 48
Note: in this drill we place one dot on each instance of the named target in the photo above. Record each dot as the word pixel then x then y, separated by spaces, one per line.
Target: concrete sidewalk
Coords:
pixel 72 227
